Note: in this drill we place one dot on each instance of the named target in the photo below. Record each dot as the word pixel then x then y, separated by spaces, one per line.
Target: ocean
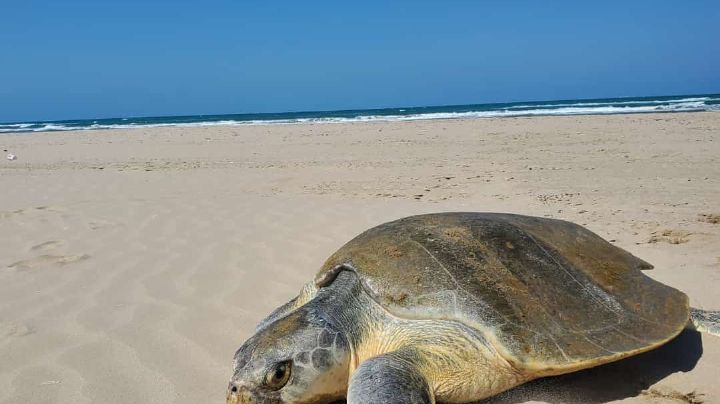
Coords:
pixel 602 106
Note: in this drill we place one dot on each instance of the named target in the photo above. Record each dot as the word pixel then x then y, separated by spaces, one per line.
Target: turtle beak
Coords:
pixel 238 394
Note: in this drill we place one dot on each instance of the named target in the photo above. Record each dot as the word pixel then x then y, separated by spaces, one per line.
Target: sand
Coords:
pixel 133 263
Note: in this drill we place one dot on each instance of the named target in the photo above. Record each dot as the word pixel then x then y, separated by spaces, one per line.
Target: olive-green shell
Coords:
pixel 551 295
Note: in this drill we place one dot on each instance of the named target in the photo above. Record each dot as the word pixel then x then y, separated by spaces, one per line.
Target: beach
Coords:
pixel 134 262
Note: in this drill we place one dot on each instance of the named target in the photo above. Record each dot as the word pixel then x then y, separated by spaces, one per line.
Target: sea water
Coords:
pixel 687 103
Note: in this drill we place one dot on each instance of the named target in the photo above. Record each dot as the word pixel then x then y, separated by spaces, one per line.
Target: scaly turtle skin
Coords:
pixel 456 307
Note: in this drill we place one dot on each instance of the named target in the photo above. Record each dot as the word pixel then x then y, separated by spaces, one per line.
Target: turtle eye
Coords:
pixel 278 376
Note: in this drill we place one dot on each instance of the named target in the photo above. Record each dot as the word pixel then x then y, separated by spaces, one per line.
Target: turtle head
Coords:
pixel 296 358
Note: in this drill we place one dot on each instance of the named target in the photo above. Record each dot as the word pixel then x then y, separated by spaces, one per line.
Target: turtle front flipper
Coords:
pixel 391 378
pixel 705 321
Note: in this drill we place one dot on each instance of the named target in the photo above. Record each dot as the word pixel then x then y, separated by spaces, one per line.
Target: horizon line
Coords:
pixel 355 109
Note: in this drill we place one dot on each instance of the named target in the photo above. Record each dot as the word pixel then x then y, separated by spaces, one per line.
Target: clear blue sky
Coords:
pixel 95 58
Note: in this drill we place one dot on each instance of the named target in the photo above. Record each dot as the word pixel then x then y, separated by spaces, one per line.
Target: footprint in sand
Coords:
pixel 99 224
pixel 692 397
pixel 11 329
pixel 670 236
pixel 713 218
pixel 47 260
pixel 48 245
pixel 37 209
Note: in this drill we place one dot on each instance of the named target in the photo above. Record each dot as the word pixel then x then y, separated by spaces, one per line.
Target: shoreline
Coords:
pixel 358 122
pixel 580 107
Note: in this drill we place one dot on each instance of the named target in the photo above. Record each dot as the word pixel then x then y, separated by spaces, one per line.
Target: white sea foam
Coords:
pixel 15 125
pixel 615 103
pixel 580 108
pixel 28 127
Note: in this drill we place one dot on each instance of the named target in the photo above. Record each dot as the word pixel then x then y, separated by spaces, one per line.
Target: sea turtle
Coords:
pixel 456 307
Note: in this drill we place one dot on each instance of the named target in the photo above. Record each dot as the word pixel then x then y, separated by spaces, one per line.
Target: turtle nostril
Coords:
pixel 234 389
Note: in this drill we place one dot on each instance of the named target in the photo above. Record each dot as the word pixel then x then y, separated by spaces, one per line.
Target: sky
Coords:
pixel 101 58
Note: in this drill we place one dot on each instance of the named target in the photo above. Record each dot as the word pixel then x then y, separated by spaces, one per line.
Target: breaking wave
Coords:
pixel 518 109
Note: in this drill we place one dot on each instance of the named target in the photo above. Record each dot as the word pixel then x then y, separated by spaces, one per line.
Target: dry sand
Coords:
pixel 134 262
